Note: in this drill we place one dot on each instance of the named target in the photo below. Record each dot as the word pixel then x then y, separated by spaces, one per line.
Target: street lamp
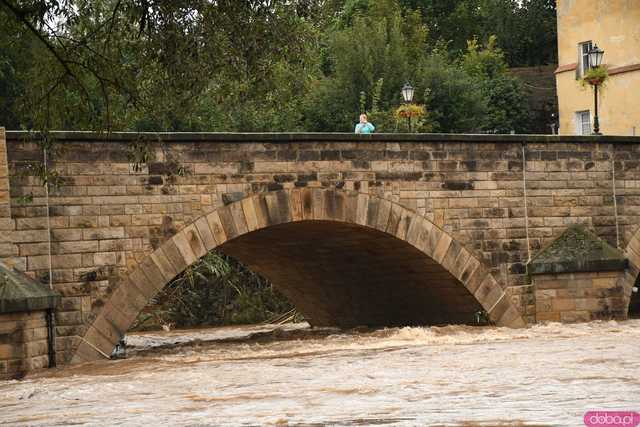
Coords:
pixel 595 60
pixel 407 95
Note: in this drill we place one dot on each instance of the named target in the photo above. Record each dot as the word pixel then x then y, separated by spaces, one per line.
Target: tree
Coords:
pixel 525 29
pixel 167 65
pixel 454 100
pixel 503 93
pixel 373 55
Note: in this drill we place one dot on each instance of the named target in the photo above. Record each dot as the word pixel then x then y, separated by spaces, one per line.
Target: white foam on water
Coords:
pixel 454 375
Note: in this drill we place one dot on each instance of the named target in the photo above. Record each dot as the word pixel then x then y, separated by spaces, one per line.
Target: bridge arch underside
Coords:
pixel 342 257
pixel 346 275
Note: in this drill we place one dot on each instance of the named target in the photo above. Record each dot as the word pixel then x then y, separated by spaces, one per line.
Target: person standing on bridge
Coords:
pixel 364 126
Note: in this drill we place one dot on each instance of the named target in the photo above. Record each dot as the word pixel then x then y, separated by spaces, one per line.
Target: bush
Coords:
pixel 215 291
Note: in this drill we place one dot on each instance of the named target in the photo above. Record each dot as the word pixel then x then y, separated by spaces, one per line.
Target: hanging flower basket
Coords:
pixel 594 81
pixel 410 111
pixel 595 76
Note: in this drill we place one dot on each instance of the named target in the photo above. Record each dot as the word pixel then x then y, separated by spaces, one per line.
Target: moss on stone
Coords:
pixel 19 293
pixel 577 250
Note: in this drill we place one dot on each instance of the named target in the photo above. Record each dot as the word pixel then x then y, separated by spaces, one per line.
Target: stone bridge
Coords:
pixel 371 230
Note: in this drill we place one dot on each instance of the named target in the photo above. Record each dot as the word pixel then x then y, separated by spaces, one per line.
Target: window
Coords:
pixel 583 57
pixel 583 122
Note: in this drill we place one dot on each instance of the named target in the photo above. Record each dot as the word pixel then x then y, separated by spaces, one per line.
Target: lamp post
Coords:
pixel 595 60
pixel 407 95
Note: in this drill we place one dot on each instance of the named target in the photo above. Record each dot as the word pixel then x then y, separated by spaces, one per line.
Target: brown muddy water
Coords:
pixel 292 375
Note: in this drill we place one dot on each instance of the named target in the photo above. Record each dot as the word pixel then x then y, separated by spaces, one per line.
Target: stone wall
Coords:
pixel 5 206
pixel 578 297
pixel 7 249
pixel 23 343
pixel 109 214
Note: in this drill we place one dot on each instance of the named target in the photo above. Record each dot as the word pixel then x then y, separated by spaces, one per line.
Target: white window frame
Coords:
pixel 583 57
pixel 580 123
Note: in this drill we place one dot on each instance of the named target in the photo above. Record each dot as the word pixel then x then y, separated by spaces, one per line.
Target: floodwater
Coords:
pixel 291 375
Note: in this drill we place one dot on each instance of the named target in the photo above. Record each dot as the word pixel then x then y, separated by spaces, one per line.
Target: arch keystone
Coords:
pixel 250 213
pixel 362 208
pixel 295 199
pixel 307 204
pixel 351 207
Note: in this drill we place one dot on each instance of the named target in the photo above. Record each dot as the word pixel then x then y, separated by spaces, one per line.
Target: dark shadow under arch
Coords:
pixel 346 275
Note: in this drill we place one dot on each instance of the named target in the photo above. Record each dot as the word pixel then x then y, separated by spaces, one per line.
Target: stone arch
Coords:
pixel 261 211
pixel 632 273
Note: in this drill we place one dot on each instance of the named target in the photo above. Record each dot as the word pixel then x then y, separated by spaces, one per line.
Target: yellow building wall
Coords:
pixel 614 25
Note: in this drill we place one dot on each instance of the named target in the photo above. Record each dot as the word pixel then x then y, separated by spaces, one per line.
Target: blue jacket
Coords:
pixel 365 128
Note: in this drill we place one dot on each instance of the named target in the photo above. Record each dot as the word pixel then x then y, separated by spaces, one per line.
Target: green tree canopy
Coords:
pixel 282 65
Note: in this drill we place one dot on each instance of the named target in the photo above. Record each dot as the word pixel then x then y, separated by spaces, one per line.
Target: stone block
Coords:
pixel 195 241
pixel 317 196
pixel 35 348
pixel 472 274
pixel 488 293
pixel 182 242
pixel 249 212
pixel 362 209
pixel 103 233
pixel 153 273
pixel 75 247
pixel 215 223
pixel 548 317
pixel 588 304
pixel 41 262
pixel 239 219
pixel 83 222
pixel 10 351
pixel 70 318
pixel 165 266
pixel 86 352
pixel 441 248
pixel 575 316
pixel 104 258
pixel 384 213
pixel 226 219
pixel 558 304
pixel 174 256
pixel 295 199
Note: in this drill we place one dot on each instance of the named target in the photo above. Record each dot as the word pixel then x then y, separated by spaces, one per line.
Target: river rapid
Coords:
pixel 293 375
